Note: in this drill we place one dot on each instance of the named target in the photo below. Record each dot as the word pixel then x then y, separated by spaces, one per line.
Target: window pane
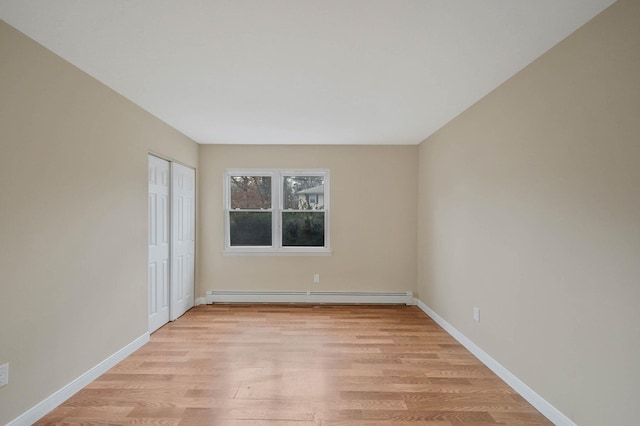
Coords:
pixel 250 228
pixel 303 229
pixel 250 192
pixel 303 192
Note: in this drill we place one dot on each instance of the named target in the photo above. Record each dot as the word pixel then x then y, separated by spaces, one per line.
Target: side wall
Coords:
pixel 73 219
pixel 529 208
pixel 373 216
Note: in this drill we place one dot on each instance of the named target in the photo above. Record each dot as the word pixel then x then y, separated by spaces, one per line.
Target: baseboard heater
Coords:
pixel 232 296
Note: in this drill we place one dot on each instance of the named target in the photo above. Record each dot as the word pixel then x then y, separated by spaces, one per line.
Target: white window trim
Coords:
pixel 276 210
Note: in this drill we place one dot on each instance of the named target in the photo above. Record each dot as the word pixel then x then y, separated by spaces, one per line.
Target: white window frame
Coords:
pixel 277 207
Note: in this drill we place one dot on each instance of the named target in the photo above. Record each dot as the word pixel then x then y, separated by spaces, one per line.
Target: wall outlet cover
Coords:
pixel 476 314
pixel 4 375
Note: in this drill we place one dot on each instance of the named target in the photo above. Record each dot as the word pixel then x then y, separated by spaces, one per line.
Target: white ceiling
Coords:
pixel 301 71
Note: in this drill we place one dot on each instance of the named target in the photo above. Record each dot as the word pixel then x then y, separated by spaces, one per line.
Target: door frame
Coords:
pixel 171 212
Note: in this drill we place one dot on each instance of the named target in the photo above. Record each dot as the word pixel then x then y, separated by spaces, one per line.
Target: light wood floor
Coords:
pixel 299 365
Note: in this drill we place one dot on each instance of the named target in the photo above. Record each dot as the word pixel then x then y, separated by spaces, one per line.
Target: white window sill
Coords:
pixel 276 252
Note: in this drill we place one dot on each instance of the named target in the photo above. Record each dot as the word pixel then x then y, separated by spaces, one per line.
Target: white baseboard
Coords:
pixel 231 296
pixel 39 410
pixel 548 410
pixel 200 301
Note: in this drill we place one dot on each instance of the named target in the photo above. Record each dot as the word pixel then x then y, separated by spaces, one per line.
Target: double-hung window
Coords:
pixel 277 211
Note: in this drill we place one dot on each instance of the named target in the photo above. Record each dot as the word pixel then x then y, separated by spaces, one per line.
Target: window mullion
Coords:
pixel 277 206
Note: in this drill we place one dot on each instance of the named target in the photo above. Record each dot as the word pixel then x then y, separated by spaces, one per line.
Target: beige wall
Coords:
pixel 373 217
pixel 530 209
pixel 73 219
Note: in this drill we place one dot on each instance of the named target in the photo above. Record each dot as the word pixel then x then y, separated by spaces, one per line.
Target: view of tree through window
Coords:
pixel 250 224
pixel 250 192
pixel 295 208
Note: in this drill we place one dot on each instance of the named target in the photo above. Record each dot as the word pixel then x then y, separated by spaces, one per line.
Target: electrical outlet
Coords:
pixel 4 375
pixel 476 314
pixel 316 278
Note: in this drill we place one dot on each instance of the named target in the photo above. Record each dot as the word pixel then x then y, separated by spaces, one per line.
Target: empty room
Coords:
pixel 296 212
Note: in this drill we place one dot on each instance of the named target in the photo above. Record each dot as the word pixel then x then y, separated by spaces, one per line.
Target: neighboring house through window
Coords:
pixel 277 211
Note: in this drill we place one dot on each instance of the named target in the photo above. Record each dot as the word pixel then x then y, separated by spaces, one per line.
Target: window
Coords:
pixel 277 211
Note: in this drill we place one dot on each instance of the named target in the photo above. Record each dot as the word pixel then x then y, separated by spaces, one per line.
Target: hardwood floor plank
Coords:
pixel 429 415
pixel 298 365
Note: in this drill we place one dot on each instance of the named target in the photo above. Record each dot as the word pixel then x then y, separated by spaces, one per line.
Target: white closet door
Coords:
pixel 183 187
pixel 159 181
